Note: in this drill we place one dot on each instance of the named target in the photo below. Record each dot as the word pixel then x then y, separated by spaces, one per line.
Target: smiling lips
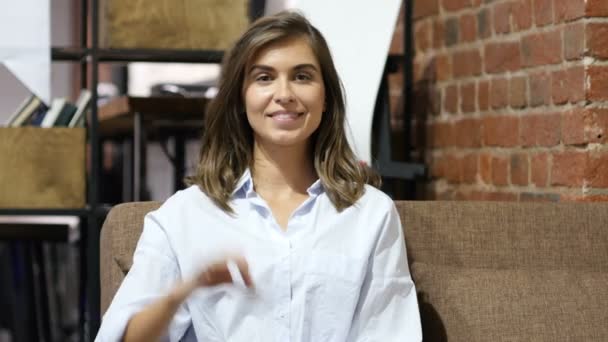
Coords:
pixel 282 115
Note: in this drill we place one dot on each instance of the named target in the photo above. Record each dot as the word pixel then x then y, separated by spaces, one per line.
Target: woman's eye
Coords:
pixel 303 77
pixel 262 78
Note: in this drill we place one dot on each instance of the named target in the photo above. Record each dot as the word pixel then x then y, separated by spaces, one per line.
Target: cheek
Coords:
pixel 256 99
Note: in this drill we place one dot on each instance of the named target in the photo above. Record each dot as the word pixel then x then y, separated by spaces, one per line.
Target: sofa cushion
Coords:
pixel 474 304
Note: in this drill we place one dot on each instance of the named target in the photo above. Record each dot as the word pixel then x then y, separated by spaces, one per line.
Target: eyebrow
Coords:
pixel 269 68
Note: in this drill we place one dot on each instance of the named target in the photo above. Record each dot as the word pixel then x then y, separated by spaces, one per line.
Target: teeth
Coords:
pixel 285 116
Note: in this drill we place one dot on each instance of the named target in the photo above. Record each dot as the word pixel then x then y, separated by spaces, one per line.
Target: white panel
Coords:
pixel 359 34
pixel 25 43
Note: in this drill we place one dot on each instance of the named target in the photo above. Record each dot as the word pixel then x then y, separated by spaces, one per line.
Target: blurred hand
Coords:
pixel 218 272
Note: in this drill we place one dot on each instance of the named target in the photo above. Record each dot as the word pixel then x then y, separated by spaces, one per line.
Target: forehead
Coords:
pixel 285 52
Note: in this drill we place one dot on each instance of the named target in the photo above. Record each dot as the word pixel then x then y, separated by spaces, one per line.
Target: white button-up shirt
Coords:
pixel 331 276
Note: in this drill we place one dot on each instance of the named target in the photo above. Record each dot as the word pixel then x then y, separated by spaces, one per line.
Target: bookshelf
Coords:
pixel 89 55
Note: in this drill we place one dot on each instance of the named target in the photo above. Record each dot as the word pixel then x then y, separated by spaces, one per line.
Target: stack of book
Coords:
pixel 61 113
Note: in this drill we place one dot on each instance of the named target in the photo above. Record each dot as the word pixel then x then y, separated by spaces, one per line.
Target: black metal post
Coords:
pixel 407 87
pixel 179 167
pixel 93 226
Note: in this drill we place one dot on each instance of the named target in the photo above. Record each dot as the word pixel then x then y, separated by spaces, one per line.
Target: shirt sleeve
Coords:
pixel 154 272
pixel 388 307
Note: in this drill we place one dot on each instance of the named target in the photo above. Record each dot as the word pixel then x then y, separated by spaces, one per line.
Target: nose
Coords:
pixel 284 93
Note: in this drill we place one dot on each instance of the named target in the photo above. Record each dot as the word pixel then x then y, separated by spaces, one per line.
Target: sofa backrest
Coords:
pixel 507 235
pixel 484 271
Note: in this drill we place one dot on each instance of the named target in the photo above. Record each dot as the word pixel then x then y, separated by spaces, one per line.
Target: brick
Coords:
pixel 574 41
pixel 466 63
pixel 425 8
pixel 499 93
pixel 423 35
pixel 597 77
pixel 585 125
pixel 502 18
pixel 502 131
pixel 500 171
pixel 518 94
pixel 584 198
pixel 468 28
pixel 569 168
pixel 522 15
pixel 501 57
pixel 540 130
pixel 467 96
pixel 573 127
pixel 455 5
pixel 484 30
pixel 543 12
pixel 539 169
pixel 450 99
pixel 596 8
pixel 434 100
pixel 453 171
pixel 568 85
pixel 538 197
pixel 451 31
pixel 438 33
pixel 501 196
pixel 596 125
pixel 597 40
pixel 469 168
pixel 397 41
pixel 440 134
pixel 519 169
pixel 467 133
pixel 540 89
pixel 542 48
pixel 476 3
pixel 485 168
pixel 567 10
pixel 437 167
pixel 443 67
pixel 597 170
pixel 483 95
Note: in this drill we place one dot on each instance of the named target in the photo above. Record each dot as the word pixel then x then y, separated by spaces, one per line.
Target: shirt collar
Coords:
pixel 244 187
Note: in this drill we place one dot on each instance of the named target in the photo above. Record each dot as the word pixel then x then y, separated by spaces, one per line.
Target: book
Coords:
pixel 38 115
pixel 21 107
pixel 56 107
pixel 82 103
pixel 24 114
pixel 66 114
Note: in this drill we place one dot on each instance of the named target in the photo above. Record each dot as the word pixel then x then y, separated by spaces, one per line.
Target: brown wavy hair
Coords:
pixel 227 141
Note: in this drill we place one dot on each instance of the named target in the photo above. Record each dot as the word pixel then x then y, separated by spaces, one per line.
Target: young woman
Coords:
pixel 279 194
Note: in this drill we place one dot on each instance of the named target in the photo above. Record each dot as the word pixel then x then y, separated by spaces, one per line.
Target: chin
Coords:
pixel 286 139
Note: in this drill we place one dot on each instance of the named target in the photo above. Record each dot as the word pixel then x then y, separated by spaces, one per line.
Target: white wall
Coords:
pixel 12 92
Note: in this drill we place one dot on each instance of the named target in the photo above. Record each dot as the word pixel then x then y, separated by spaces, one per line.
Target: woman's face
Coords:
pixel 284 93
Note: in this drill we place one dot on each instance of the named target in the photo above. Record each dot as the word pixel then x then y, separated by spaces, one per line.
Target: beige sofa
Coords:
pixel 484 271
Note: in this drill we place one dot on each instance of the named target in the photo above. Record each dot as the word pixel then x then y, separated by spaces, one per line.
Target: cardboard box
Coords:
pixel 170 24
pixel 42 168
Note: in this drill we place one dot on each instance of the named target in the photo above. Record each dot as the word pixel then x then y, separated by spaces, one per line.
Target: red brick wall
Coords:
pixel 511 98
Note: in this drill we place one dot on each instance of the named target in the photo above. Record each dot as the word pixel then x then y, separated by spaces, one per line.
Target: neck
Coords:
pixel 282 171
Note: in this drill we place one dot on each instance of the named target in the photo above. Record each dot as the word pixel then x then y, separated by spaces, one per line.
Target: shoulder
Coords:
pixel 375 199
pixel 185 201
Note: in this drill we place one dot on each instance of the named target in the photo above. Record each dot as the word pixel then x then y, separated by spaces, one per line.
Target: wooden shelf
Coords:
pixel 139 55
pixel 117 116
pixel 41 228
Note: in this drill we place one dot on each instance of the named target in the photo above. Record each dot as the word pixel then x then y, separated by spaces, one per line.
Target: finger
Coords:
pixel 235 274
pixel 243 266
